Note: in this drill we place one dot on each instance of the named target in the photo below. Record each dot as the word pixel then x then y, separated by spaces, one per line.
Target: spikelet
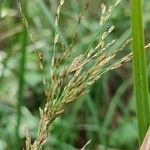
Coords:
pixel 102 18
pixel 28 140
pixel 76 64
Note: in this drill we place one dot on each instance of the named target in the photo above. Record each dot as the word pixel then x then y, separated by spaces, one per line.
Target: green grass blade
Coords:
pixel 21 81
pixel 21 87
pixel 139 69
pixel 113 105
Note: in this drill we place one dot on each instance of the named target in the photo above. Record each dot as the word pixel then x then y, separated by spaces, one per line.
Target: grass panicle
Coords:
pixel 70 81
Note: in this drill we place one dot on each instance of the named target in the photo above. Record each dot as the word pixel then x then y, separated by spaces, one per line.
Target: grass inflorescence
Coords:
pixel 72 80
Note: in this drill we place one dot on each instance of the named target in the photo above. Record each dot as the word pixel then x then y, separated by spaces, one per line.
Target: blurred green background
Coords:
pixel 106 115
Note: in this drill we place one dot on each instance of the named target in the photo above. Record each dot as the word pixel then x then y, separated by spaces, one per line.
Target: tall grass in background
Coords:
pixel 24 41
pixel 139 69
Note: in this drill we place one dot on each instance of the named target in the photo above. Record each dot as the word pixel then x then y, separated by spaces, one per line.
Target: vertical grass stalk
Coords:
pixel 21 87
pixel 139 69
pixel 21 84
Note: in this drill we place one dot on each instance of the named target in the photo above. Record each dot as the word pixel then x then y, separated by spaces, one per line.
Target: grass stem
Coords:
pixel 21 85
pixel 139 69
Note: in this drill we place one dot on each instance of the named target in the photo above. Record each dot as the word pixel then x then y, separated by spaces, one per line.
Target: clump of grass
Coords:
pixel 70 81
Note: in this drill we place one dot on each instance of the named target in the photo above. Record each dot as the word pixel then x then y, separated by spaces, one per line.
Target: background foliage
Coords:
pixel 106 115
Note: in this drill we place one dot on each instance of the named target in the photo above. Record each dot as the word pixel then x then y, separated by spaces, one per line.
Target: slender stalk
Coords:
pixel 139 69
pixel 21 85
